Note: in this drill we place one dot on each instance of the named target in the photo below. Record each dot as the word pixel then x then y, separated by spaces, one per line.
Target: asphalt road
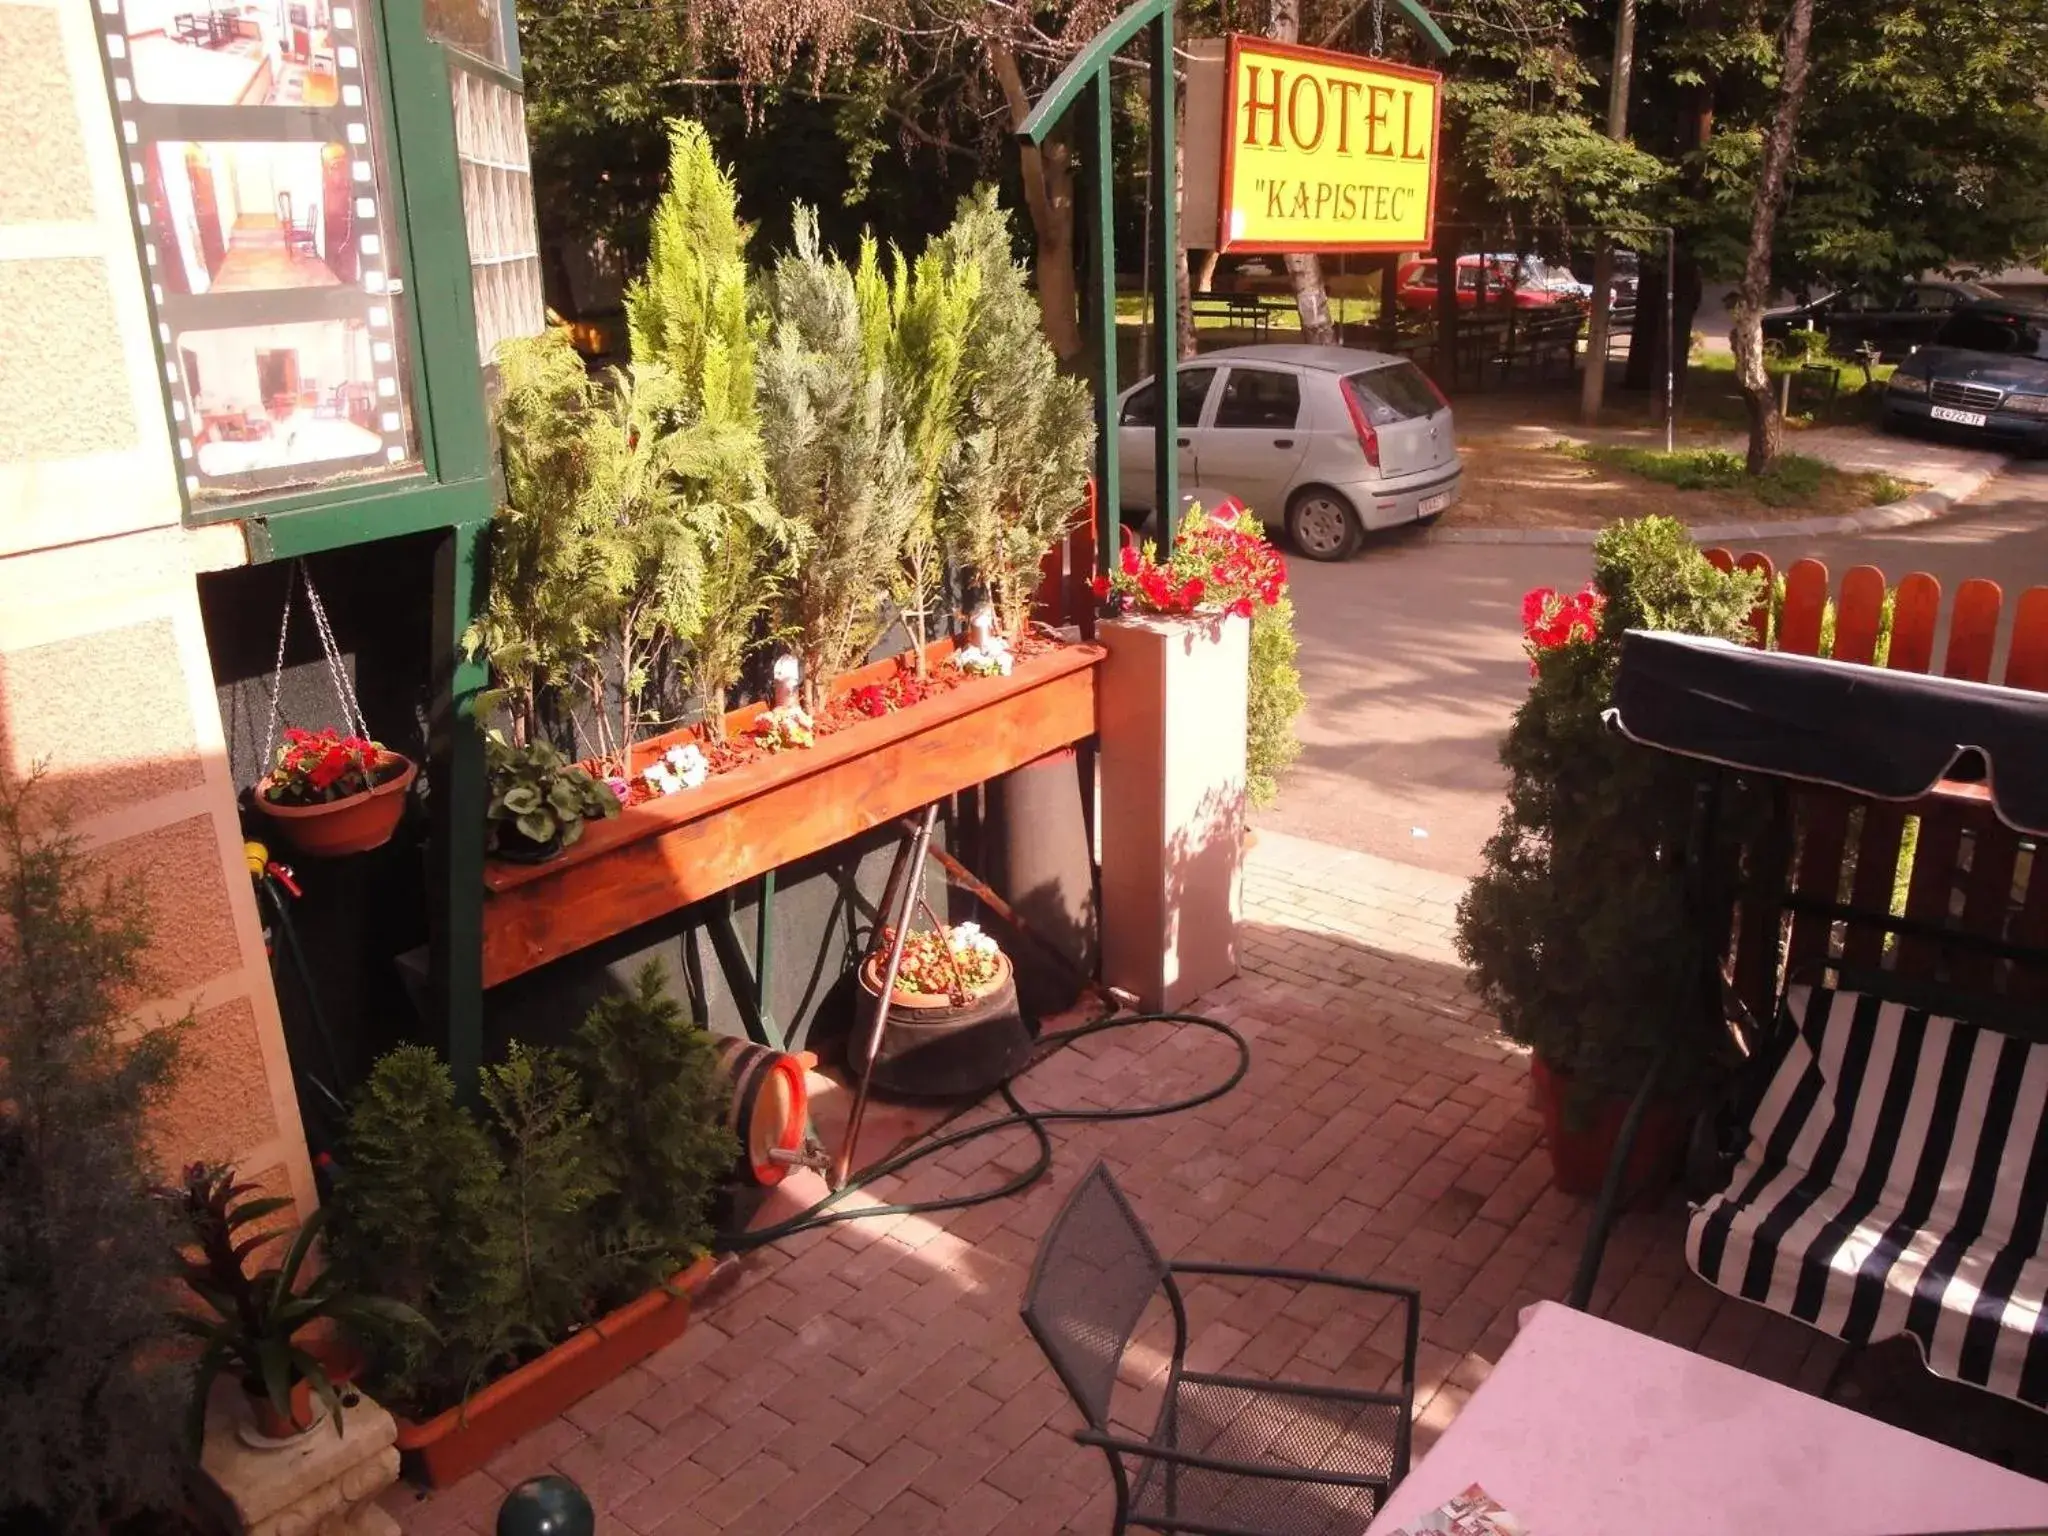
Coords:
pixel 1412 662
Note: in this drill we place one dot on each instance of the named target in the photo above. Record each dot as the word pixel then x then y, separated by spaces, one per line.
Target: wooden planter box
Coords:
pixel 451 1445
pixel 667 853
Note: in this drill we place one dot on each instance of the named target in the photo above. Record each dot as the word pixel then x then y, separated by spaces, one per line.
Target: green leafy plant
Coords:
pixel 538 799
pixel 656 1106
pixel 690 313
pixel 421 1216
pixel 257 1319
pixel 1576 927
pixel 1017 473
pixel 552 1182
pixel 1275 701
pixel 838 464
pixel 91 1382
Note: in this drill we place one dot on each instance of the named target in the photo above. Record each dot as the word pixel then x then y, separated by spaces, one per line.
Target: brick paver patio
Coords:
pixel 875 1376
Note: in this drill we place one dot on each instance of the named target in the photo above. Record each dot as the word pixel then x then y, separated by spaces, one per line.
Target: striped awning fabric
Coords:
pixel 1896 1181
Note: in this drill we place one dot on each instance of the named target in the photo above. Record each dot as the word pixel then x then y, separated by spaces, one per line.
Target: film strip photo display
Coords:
pixel 260 209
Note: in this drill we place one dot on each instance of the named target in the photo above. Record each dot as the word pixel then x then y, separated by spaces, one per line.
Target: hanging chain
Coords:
pixel 352 713
pixel 1379 28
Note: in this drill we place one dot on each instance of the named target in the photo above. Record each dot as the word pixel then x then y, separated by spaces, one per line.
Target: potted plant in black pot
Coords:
pixel 1577 929
pixel 539 800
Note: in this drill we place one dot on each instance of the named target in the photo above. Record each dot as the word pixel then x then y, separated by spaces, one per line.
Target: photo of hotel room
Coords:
pixel 263 396
pixel 272 53
pixel 241 218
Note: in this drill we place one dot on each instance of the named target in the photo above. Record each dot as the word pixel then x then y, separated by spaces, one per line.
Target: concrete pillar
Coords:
pixel 1171 719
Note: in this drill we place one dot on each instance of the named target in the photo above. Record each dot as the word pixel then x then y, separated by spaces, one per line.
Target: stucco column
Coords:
pixel 1171 721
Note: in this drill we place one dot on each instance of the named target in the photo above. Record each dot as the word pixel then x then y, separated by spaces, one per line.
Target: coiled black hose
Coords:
pixel 1035 1120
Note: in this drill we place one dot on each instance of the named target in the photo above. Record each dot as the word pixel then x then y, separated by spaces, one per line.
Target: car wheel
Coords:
pixel 1322 526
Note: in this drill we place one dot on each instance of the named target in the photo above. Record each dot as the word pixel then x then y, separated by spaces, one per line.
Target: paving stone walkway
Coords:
pixel 875 1377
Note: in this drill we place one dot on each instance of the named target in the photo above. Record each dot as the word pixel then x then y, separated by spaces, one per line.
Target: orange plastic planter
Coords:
pixel 453 1444
pixel 339 827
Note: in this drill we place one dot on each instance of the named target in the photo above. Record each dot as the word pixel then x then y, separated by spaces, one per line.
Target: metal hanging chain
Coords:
pixel 1379 29
pixel 352 714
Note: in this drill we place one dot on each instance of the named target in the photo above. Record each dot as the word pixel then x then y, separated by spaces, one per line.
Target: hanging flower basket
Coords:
pixel 328 794
pixel 331 795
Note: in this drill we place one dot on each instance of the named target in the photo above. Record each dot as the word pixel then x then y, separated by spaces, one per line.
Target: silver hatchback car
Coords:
pixel 1328 442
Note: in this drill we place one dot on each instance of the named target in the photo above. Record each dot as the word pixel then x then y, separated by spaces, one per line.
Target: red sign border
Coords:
pixel 1225 245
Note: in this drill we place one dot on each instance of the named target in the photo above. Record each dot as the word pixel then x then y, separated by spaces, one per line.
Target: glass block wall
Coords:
pixel 497 205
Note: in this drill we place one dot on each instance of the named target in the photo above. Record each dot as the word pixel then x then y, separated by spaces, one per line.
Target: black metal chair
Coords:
pixel 1228 1456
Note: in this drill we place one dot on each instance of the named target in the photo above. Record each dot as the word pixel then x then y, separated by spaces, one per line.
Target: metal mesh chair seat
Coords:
pixel 1228 1456
pixel 1289 1428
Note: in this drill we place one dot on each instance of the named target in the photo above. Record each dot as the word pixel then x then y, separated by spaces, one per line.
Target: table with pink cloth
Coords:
pixel 1588 1429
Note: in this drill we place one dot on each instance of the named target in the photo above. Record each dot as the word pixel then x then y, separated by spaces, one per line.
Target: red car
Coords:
pixel 1415 285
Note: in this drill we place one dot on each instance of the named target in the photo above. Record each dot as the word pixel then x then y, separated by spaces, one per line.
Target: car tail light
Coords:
pixel 1368 439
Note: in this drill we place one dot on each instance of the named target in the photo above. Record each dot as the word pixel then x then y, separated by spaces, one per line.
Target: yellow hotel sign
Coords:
pixel 1324 151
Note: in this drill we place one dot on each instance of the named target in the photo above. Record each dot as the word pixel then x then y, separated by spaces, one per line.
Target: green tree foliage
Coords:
pixel 552 1182
pixel 657 1102
pixel 838 463
pixel 549 588
pixel 1275 699
pixel 422 1217
pixel 1026 438
pixel 1576 928
pixel 932 309
pixel 90 1394
pixel 689 312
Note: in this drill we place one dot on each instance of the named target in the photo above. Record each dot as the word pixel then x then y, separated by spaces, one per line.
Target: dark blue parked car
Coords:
pixel 1985 376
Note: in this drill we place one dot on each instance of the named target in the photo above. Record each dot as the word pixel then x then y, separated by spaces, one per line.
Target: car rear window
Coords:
pixel 1396 392
pixel 1976 330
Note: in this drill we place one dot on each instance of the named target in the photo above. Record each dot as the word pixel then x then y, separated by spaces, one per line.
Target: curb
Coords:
pixel 1922 507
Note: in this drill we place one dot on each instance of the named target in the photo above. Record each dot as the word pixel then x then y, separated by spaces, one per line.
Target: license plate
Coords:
pixel 1443 499
pixel 1960 418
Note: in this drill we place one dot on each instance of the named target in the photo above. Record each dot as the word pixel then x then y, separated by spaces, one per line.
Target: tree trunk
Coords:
pixel 1048 176
pixel 1205 277
pixel 1183 290
pixel 1747 337
pixel 1184 309
pixel 1593 382
pixel 1304 269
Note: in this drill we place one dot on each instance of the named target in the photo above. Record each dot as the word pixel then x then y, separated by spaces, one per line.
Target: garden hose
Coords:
pixel 1035 1120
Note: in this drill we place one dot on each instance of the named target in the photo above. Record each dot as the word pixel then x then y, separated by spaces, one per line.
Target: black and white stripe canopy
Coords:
pixel 1896 1181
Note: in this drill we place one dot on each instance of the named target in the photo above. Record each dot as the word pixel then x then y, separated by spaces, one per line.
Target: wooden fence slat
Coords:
pixel 1824 818
pixel 1931 883
pixel 1973 631
pixel 1719 559
pixel 1760 615
pixel 1916 611
pixel 1806 600
pixel 2027 665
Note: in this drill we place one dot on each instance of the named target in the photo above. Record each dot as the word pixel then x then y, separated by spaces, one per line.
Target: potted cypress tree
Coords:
pixel 1578 924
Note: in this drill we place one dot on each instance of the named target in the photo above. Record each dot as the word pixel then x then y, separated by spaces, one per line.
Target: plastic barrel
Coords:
pixel 769 1104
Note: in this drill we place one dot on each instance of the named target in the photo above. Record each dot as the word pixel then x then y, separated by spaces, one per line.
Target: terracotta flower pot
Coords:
pixel 335 828
pixel 902 997
pixel 1582 1145
pixel 307 1412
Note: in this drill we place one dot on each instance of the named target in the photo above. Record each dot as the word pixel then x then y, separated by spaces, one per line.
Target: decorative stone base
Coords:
pixel 323 1484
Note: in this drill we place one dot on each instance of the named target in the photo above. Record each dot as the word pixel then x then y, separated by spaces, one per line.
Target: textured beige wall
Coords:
pixel 105 681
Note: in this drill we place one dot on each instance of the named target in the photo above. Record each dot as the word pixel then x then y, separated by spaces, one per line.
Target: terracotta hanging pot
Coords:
pixel 332 829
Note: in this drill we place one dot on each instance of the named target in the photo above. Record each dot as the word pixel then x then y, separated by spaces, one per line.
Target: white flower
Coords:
pixel 688 765
pixel 661 779
pixel 991 660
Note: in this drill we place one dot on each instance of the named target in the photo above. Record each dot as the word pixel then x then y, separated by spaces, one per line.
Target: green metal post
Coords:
pixel 1165 302
pixel 1108 479
pixel 764 950
pixel 457 775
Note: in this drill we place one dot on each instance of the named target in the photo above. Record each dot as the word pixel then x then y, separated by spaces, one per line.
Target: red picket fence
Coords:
pixel 1964 868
